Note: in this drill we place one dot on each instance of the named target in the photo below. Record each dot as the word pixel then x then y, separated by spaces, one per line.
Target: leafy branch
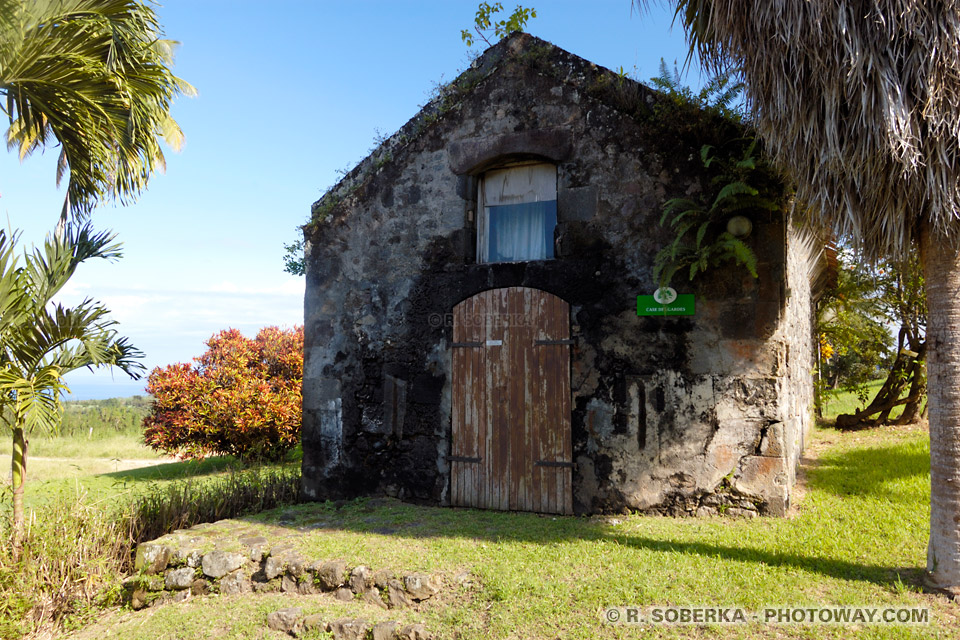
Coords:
pixel 293 258
pixel 720 95
pixel 487 27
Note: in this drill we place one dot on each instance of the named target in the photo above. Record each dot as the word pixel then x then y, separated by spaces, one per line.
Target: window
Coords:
pixel 518 213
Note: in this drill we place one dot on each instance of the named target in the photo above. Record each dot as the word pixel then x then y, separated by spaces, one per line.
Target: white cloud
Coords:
pixel 75 288
pixel 171 326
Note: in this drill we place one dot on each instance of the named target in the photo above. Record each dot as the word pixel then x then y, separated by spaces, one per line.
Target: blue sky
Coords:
pixel 289 92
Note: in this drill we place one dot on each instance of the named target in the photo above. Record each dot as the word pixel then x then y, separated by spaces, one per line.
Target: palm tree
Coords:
pixel 861 103
pixel 92 75
pixel 40 341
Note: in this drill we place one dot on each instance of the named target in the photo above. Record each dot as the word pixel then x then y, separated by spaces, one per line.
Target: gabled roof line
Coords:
pixel 517 46
pixel 624 95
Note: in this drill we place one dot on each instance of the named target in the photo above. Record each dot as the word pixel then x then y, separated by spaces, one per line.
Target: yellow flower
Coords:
pixel 826 349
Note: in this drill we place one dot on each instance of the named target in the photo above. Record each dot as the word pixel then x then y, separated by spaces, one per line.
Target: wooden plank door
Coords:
pixel 511 446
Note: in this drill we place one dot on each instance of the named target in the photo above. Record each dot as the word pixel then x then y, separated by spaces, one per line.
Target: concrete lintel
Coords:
pixel 474 155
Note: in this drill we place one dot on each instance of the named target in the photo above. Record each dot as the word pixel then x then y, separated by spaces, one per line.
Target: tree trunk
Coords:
pixel 18 466
pixel 906 369
pixel 892 386
pixel 918 389
pixel 941 271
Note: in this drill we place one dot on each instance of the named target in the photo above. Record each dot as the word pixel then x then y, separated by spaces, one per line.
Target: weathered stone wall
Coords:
pixel 675 414
pixel 798 333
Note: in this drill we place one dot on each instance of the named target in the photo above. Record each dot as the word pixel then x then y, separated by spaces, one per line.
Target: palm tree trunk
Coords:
pixel 941 270
pixel 19 476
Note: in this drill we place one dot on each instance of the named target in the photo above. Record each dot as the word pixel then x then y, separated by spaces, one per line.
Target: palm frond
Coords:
pixel 35 399
pixel 11 295
pixel 860 102
pixel 40 341
pixel 92 75
pixel 49 267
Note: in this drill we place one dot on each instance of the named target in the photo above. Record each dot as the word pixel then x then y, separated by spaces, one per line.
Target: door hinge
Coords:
pixel 462 459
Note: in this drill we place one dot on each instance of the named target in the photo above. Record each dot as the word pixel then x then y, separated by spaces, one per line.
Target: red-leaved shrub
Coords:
pixel 241 398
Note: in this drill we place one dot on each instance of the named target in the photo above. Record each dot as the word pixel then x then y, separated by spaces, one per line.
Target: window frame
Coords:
pixel 483 213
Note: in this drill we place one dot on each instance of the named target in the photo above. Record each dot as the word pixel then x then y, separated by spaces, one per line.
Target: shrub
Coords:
pixel 242 398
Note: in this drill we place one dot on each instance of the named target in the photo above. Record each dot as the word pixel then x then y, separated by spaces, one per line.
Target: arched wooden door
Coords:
pixel 511 446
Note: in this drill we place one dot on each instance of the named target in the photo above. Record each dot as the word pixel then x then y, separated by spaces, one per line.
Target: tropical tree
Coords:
pixel 904 298
pixel 860 102
pixel 855 319
pixel 855 342
pixel 93 76
pixel 41 341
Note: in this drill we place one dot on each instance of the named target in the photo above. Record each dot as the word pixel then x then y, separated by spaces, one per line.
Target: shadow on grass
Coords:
pixel 892 472
pixel 193 468
pixel 862 472
pixel 834 568
pixel 387 517
pixel 176 470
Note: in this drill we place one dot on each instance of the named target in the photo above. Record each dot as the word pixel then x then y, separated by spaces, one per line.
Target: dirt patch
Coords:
pixel 810 459
pixel 122 464
pixel 116 464
pixel 800 486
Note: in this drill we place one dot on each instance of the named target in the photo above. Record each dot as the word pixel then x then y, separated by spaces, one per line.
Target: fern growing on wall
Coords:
pixel 741 183
pixel 701 240
pixel 720 95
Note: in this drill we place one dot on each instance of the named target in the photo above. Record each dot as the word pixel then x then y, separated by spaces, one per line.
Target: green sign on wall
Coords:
pixel 681 305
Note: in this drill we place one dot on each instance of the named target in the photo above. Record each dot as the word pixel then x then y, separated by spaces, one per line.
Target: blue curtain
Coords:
pixel 519 232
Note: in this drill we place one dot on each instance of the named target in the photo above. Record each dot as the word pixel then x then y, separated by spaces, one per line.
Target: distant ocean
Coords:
pixel 101 390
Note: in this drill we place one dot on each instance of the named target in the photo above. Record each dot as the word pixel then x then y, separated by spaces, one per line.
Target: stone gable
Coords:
pixel 686 414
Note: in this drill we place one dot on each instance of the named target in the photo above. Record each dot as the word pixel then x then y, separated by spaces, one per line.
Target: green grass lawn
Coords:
pixel 104 478
pixel 122 446
pixel 857 537
pixel 101 468
pixel 837 402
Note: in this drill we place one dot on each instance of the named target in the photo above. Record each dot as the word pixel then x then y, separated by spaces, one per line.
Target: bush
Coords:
pixel 243 398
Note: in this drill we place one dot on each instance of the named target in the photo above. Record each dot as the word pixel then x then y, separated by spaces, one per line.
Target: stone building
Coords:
pixel 472 331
